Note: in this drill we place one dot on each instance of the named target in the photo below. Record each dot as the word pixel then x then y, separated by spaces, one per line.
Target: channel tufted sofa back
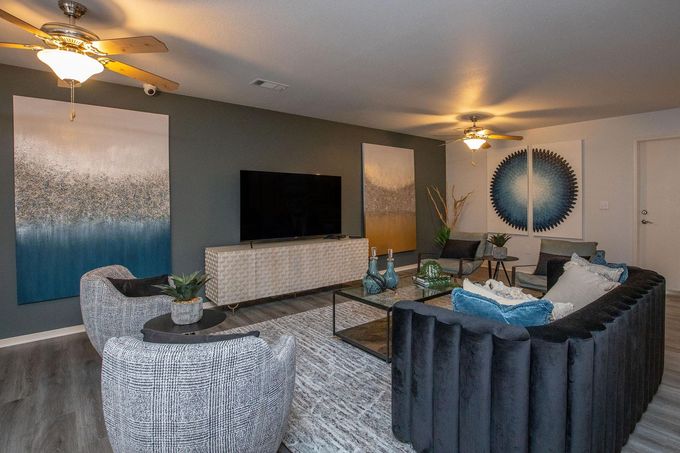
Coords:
pixel 578 385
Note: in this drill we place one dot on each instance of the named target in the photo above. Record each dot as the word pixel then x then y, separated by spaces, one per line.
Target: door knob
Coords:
pixel 645 221
pixel 644 212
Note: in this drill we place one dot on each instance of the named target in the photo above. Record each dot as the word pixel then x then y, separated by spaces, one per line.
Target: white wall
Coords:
pixel 608 175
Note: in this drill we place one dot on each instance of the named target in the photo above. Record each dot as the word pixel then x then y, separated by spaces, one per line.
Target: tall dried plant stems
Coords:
pixel 458 205
pixel 441 207
pixel 439 204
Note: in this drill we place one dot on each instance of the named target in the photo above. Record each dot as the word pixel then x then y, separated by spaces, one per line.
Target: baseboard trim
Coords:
pixel 38 336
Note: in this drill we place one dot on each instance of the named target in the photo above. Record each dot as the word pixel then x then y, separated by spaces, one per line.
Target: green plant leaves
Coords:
pixel 185 287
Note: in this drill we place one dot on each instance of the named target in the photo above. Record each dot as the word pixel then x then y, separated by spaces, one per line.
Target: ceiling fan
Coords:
pixel 75 53
pixel 475 137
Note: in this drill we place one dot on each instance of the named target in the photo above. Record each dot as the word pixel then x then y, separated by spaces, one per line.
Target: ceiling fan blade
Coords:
pixel 504 137
pixel 14 45
pixel 139 74
pixel 136 44
pixel 486 145
pixel 24 25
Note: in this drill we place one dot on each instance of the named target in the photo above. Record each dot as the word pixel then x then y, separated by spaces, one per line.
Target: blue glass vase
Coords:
pixel 390 276
pixel 373 282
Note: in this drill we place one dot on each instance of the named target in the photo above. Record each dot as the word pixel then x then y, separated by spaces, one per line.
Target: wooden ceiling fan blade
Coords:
pixel 15 45
pixel 135 44
pixel 486 145
pixel 504 137
pixel 24 25
pixel 139 74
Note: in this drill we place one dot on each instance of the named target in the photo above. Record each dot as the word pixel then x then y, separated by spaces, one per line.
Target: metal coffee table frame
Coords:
pixel 427 294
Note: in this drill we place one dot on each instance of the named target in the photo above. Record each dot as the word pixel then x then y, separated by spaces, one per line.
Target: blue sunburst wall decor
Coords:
pixel 555 189
pixel 508 190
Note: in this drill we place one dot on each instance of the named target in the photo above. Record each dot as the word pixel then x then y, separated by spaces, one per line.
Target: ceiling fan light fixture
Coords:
pixel 69 65
pixel 474 143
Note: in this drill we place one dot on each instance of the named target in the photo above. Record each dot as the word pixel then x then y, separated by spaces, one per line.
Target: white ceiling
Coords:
pixel 402 65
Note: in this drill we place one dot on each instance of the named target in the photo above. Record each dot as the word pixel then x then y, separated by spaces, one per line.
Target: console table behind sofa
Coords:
pixel 241 273
pixel 580 384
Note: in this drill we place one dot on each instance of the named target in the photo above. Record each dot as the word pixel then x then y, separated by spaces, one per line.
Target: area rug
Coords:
pixel 342 398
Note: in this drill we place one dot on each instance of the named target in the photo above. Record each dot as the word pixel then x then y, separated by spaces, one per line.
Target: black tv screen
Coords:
pixel 289 205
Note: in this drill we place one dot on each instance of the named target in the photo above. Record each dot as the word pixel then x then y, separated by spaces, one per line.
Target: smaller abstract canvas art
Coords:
pixel 389 198
pixel 556 189
pixel 508 191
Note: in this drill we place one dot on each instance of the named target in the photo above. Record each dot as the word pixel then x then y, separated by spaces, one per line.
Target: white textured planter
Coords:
pixel 187 312
pixel 500 253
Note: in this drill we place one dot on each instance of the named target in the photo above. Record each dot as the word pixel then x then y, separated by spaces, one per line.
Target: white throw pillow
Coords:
pixel 560 310
pixel 486 291
pixel 579 286
pixel 613 274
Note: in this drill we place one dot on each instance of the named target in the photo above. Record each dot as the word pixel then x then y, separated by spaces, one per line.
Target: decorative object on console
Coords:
pixel 87 195
pixel 441 208
pixel 498 240
pixel 187 307
pixel 389 198
pixel 391 277
pixel 373 282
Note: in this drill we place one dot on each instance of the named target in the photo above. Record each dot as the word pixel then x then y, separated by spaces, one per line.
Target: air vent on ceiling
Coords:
pixel 276 86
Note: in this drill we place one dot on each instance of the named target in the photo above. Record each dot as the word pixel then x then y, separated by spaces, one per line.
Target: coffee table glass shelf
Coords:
pixel 374 336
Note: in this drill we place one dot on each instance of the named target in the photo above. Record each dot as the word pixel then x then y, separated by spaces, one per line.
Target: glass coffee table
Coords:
pixel 374 337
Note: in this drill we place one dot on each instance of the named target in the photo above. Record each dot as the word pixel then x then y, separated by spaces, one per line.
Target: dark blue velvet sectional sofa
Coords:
pixel 580 384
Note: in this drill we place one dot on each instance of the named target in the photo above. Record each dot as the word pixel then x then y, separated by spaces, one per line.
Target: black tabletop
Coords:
pixel 507 258
pixel 163 323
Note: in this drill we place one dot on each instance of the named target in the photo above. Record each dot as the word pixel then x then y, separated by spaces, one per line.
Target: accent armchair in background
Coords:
pixel 550 249
pixel 221 397
pixel 108 313
pixel 461 266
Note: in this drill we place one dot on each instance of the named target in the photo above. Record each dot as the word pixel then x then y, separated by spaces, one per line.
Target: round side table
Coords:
pixel 163 323
pixel 500 263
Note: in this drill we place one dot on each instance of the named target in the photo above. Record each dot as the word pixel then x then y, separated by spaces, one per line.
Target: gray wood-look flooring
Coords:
pixel 50 400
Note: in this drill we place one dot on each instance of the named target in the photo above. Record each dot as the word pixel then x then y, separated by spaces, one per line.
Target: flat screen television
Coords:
pixel 289 205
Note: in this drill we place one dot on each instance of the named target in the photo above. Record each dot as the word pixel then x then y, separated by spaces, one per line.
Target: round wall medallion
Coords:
pixel 508 190
pixel 555 189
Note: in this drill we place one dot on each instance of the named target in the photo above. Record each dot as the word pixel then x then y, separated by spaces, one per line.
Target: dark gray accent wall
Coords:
pixel 209 143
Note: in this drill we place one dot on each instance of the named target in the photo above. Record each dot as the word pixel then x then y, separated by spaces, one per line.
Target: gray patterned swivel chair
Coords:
pixel 108 313
pixel 220 397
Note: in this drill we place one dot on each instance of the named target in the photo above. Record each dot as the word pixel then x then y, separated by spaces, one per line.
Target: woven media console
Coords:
pixel 240 273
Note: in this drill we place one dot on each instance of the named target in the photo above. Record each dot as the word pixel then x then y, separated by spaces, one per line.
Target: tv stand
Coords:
pixel 253 271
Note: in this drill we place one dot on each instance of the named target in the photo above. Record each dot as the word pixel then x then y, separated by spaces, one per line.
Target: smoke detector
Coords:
pixel 270 85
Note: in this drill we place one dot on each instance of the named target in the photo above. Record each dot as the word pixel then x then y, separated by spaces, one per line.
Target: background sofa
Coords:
pixel 580 384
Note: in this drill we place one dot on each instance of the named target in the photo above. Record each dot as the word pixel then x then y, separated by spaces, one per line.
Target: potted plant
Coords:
pixel 498 240
pixel 187 306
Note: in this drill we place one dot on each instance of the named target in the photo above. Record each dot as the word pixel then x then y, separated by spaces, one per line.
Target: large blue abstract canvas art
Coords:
pixel 508 197
pixel 88 193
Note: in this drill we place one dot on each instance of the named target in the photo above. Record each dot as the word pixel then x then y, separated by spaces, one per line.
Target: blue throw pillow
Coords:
pixel 529 313
pixel 599 259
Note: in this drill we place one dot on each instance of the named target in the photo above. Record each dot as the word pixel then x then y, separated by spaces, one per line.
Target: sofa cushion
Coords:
pixel 528 313
pixel 497 291
pixel 139 287
pixel 154 336
pixel 531 281
pixel 580 287
pixel 610 273
pixel 600 259
pixel 458 248
pixel 451 266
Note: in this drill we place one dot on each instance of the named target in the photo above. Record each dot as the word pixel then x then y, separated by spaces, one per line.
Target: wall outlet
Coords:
pixel 604 205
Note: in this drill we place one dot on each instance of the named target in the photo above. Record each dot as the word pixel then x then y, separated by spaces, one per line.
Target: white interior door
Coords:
pixel 659 208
